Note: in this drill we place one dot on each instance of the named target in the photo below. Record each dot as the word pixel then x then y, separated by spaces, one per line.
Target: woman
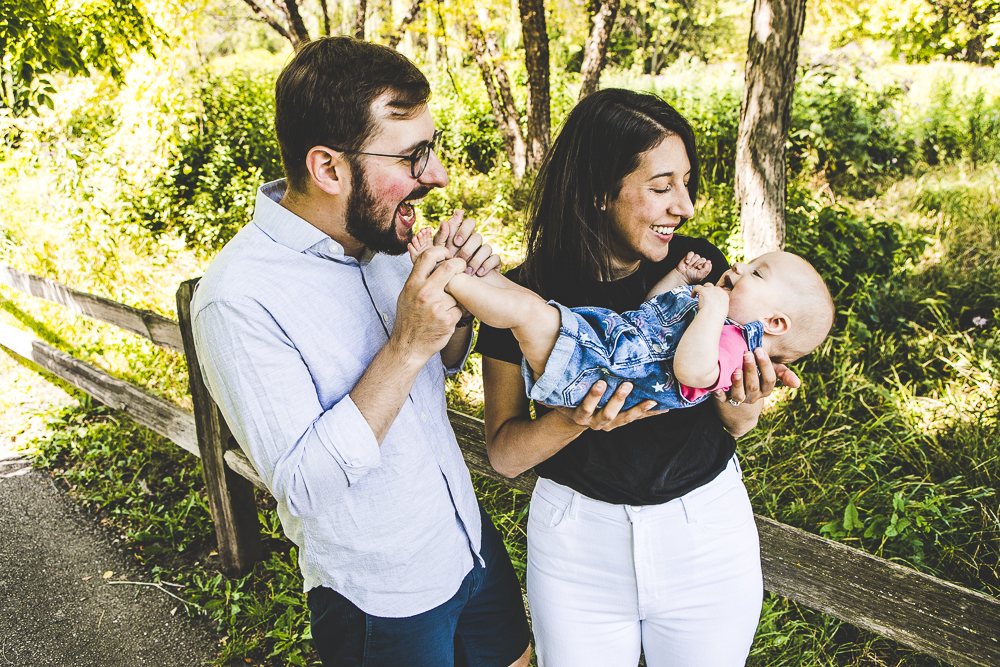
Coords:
pixel 640 533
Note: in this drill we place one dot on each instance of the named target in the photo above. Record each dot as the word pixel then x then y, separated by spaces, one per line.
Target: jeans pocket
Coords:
pixel 729 513
pixel 546 512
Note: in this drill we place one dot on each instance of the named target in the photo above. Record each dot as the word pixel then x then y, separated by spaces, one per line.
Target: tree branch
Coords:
pixel 485 50
pixel 326 18
pixel 411 14
pixel 291 9
pixel 270 20
pixel 359 20
pixel 536 62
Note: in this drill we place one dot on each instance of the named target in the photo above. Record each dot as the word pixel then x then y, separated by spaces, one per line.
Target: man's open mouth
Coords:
pixel 406 214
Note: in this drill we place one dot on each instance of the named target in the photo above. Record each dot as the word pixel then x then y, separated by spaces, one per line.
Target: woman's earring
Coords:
pixel 604 205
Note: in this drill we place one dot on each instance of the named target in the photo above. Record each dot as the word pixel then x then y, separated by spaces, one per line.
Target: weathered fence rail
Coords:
pixel 951 623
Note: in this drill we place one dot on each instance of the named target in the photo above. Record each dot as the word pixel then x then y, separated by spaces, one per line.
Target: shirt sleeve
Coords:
pixel 449 370
pixel 731 349
pixel 304 451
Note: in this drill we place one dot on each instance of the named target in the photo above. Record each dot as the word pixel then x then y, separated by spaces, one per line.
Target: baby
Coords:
pixel 681 345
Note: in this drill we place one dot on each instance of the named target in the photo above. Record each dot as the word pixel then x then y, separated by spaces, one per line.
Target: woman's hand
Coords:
pixel 758 378
pixel 587 415
pixel 740 409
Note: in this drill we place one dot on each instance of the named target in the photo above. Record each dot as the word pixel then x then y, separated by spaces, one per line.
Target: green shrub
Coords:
pixel 225 150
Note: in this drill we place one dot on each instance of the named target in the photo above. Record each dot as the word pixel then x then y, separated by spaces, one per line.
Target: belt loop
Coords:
pixel 688 510
pixel 736 462
pixel 573 502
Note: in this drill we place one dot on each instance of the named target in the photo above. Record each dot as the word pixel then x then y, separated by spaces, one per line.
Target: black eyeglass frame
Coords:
pixel 421 154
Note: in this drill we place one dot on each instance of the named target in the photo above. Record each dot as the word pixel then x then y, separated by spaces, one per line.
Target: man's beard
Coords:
pixel 364 214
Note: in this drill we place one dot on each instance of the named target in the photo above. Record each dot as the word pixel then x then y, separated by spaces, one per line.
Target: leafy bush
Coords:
pixel 860 136
pixel 225 148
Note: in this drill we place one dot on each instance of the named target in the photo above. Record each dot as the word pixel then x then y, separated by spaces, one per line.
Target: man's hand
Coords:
pixel 460 237
pixel 425 314
pixel 588 416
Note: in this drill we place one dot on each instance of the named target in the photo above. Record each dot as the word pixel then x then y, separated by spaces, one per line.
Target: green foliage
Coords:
pixel 848 130
pixel 918 30
pixel 860 136
pixel 890 437
pixel 42 38
pixel 650 35
pixel 225 150
pixel 135 480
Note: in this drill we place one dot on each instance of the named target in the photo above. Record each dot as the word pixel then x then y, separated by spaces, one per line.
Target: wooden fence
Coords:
pixel 951 623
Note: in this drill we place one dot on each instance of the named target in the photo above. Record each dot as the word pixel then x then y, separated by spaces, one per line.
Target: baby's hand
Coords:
pixel 694 268
pixel 711 297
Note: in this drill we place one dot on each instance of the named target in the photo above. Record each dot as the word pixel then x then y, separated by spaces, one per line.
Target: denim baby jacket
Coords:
pixel 637 346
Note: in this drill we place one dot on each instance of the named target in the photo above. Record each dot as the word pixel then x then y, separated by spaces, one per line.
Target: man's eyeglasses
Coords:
pixel 418 159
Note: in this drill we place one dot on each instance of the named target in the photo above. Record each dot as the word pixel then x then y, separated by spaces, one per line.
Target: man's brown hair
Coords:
pixel 324 97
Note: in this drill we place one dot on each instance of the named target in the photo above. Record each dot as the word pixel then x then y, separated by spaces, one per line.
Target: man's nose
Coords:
pixel 435 175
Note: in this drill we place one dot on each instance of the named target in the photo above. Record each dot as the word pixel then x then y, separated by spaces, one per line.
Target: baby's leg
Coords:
pixel 503 304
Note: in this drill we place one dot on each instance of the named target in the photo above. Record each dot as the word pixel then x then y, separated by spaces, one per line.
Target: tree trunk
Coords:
pixel 326 18
pixel 536 62
pixel 772 56
pixel 291 10
pixel 484 50
pixel 596 48
pixel 359 19
pixel 404 24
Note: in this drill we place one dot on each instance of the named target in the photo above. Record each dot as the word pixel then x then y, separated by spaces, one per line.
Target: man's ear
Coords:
pixel 778 324
pixel 328 170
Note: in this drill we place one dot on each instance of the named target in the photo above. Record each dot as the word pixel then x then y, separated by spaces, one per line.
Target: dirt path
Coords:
pixel 56 606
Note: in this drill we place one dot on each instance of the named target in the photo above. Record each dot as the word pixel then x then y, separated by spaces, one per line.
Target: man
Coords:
pixel 326 350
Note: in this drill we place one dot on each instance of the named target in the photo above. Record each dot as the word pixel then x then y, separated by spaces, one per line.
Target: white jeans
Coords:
pixel 681 580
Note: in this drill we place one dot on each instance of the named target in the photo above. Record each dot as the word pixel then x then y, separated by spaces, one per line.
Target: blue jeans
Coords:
pixel 482 625
pixel 637 346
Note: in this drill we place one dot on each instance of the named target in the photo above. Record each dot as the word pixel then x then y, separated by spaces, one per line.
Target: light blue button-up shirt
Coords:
pixel 285 325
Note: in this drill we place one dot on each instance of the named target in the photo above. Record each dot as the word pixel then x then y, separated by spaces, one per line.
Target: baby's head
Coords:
pixel 786 293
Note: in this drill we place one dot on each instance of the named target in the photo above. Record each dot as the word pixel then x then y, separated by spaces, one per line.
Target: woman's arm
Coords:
pixel 515 442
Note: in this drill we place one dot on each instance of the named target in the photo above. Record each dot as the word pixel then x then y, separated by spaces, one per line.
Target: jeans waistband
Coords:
pixel 574 501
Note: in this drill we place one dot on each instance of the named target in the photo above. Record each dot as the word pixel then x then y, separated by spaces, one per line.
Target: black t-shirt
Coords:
pixel 651 460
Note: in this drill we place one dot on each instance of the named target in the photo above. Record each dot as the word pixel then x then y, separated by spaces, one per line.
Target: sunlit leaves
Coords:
pixel 41 38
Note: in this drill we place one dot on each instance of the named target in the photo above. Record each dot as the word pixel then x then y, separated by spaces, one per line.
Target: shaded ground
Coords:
pixel 57 607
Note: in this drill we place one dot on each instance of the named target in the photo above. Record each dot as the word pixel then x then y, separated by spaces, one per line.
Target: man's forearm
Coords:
pixel 384 387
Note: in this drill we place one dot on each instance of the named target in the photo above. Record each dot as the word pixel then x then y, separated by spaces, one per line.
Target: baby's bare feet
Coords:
pixel 421 241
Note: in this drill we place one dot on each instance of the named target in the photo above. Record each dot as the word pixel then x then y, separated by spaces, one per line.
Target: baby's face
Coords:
pixel 757 289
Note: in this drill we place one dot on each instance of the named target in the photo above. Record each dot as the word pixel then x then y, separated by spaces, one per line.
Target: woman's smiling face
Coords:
pixel 653 202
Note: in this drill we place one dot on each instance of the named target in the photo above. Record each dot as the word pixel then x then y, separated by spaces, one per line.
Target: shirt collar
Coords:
pixel 284 227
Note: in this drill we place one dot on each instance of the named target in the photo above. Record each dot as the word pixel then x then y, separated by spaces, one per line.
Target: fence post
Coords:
pixel 230 496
